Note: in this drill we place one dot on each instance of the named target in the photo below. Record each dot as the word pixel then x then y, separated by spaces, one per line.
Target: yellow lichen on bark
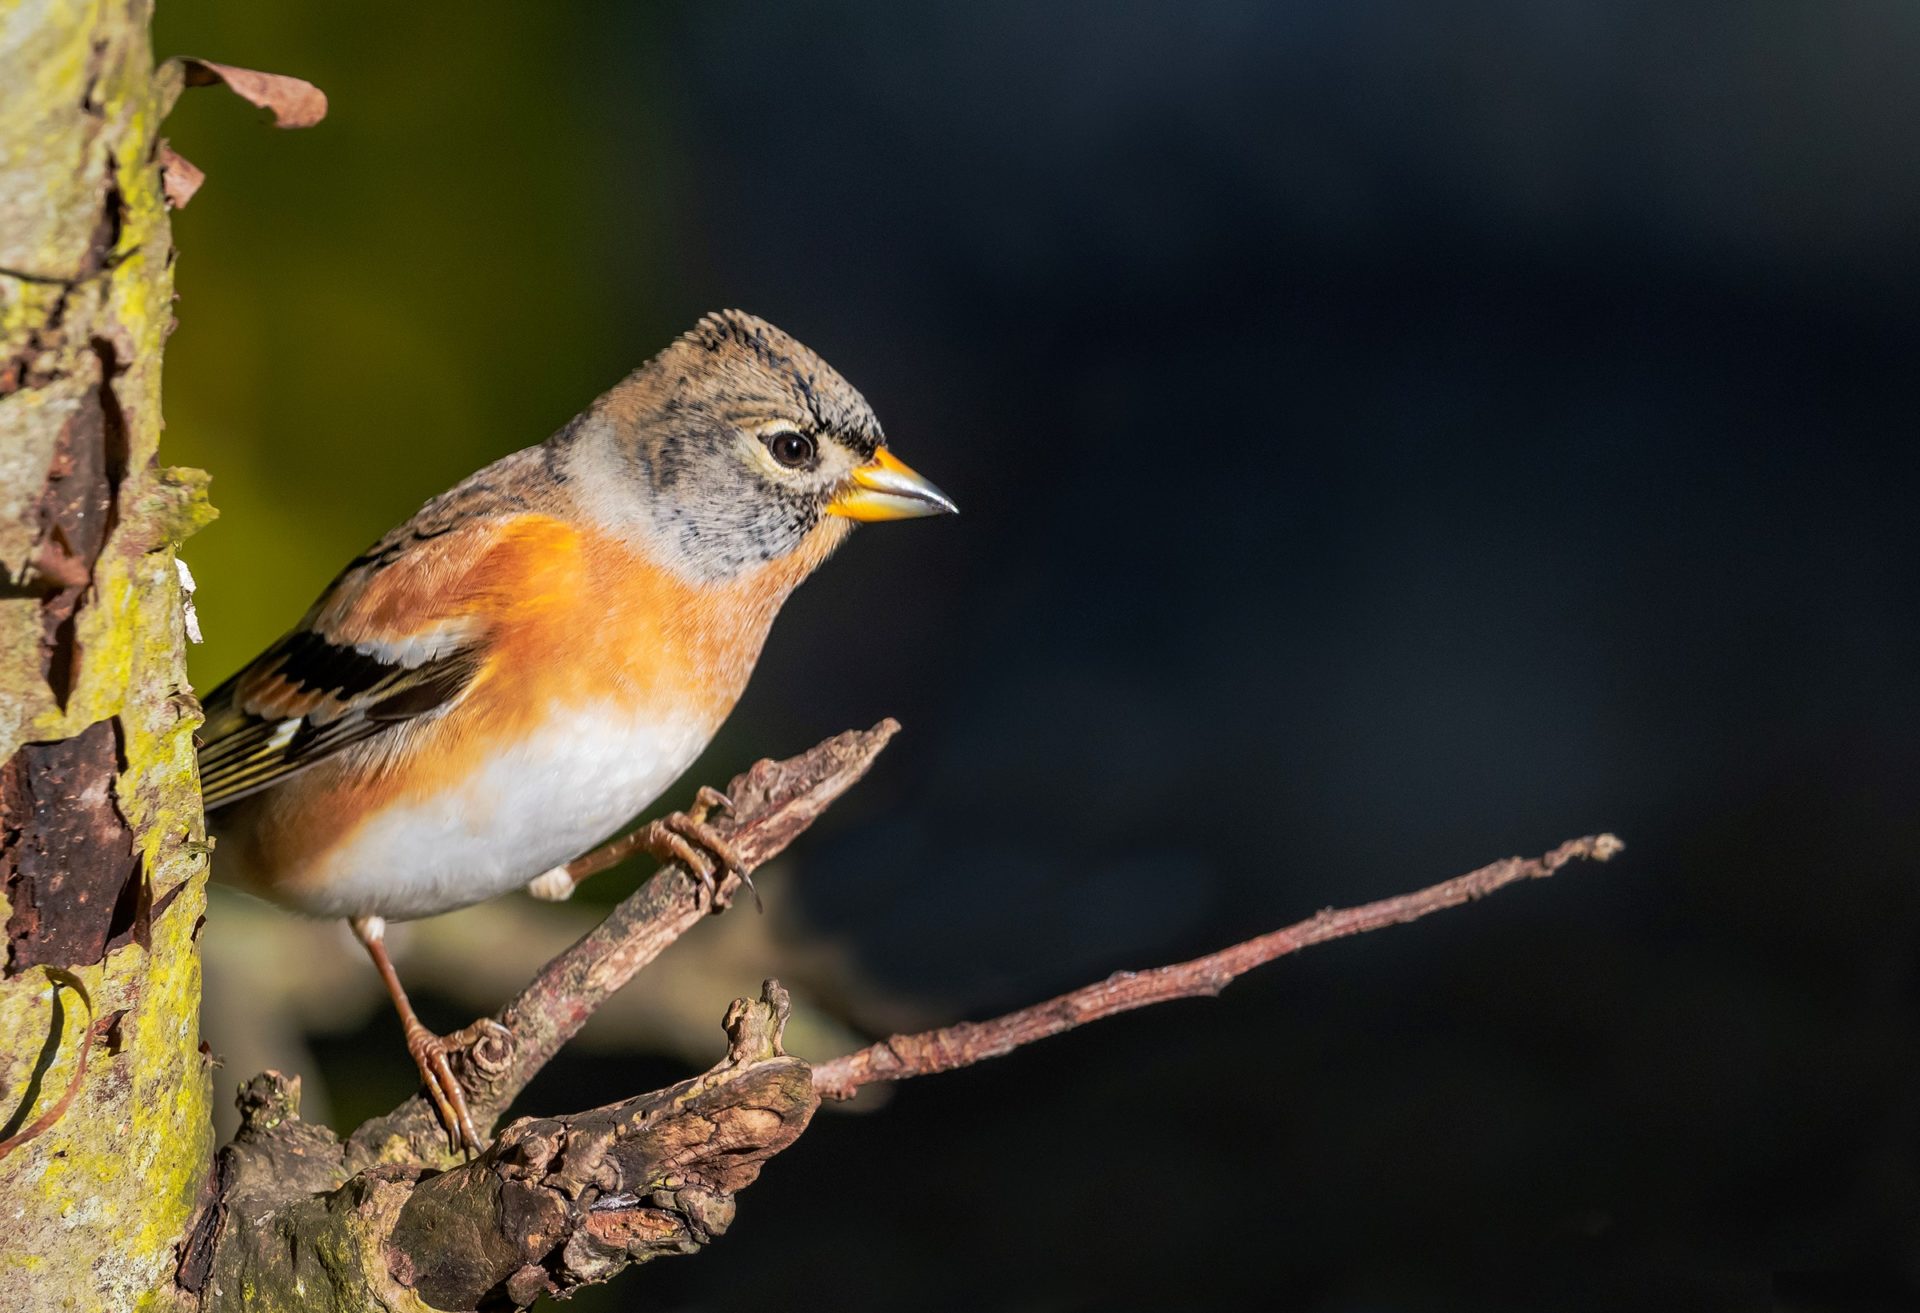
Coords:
pixel 92 1206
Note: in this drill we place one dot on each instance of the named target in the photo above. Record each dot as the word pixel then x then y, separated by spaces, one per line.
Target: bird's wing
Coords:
pixel 400 634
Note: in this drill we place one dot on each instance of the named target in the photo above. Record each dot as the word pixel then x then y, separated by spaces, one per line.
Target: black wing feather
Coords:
pixel 243 751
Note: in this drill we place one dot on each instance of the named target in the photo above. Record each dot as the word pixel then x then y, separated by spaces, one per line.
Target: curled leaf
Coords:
pixel 295 103
pixel 180 177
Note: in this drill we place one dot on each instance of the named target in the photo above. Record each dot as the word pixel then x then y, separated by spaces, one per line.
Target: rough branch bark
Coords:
pixel 104 1106
pixel 554 1203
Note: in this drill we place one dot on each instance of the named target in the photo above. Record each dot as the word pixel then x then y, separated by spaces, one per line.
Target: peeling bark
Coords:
pixel 106 1105
pixel 66 852
pixel 76 510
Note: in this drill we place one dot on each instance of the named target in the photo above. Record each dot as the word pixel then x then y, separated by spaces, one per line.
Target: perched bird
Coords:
pixel 509 677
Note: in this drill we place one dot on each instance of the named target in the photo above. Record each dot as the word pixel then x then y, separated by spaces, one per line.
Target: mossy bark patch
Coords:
pixel 101 869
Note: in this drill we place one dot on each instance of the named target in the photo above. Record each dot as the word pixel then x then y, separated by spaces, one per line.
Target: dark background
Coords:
pixel 1391 436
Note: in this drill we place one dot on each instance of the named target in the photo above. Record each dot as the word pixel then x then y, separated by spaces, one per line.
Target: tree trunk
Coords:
pixel 103 1087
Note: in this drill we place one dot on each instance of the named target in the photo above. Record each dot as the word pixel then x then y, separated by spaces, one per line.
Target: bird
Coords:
pixel 515 673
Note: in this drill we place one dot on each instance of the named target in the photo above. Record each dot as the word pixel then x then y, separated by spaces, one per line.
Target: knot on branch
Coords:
pixel 275 1158
pixel 490 1054
pixel 267 1101
pixel 560 1202
pixel 755 1027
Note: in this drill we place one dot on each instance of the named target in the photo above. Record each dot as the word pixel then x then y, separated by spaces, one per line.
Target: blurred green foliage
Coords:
pixel 373 308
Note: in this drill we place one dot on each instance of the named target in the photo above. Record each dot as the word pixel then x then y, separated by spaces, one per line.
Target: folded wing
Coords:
pixel 400 635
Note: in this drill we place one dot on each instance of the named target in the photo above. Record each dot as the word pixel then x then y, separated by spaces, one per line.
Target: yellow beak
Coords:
pixel 885 489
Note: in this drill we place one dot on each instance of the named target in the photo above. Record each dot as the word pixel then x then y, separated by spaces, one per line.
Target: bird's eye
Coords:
pixel 791 449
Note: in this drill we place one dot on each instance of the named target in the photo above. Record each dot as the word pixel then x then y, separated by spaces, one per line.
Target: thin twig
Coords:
pixel 556 1203
pixel 969 1042
pixel 63 979
pixel 773 802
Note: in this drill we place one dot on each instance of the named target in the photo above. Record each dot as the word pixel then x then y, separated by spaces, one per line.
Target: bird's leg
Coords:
pixel 683 837
pixel 430 1051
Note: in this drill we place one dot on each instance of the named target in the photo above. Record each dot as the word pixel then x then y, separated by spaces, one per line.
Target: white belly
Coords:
pixel 532 806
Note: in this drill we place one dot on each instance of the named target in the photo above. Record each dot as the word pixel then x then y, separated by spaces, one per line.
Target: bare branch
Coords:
pixel 969 1042
pixel 556 1203
pixel 773 803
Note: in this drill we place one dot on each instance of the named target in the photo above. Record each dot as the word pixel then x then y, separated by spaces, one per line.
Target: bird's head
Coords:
pixel 737 446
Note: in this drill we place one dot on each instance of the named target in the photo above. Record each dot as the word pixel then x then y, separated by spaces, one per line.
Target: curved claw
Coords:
pixel 708 801
pixel 668 844
pixel 718 852
pixel 449 1097
pixel 686 837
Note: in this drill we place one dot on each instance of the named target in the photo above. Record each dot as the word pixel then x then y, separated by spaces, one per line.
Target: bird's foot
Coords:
pixel 687 837
pixel 433 1055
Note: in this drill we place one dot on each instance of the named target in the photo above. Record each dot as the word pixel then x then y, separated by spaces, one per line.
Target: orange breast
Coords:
pixel 575 619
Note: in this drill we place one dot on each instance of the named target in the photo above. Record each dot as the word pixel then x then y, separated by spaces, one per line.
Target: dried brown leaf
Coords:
pixel 295 102
pixel 180 177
